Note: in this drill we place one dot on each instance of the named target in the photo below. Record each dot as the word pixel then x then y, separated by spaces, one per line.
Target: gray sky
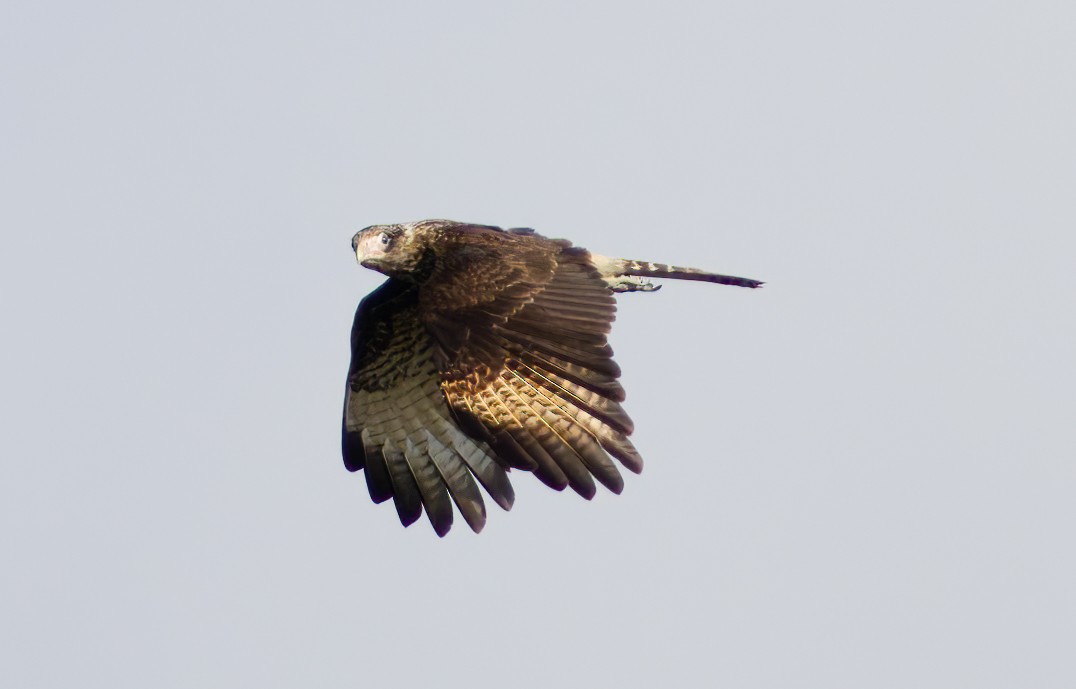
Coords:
pixel 859 476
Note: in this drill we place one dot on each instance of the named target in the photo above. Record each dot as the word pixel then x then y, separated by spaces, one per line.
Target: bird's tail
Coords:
pixel 620 267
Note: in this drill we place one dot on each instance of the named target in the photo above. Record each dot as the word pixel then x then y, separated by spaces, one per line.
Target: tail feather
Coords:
pixel 617 267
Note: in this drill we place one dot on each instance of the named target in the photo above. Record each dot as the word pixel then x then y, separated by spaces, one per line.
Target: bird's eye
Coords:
pixel 385 238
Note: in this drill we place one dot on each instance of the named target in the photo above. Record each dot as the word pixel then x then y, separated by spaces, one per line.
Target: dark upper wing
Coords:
pixel 396 423
pixel 524 360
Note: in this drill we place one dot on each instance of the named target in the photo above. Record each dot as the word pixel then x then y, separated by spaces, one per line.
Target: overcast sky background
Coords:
pixel 861 475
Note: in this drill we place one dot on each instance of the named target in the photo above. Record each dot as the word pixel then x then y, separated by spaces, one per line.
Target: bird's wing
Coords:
pixel 398 427
pixel 524 360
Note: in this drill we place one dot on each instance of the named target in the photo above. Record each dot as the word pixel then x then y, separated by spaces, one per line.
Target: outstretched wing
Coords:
pixel 524 360
pixel 398 427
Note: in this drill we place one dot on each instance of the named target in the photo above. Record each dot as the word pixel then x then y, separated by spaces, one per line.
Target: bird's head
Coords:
pixel 399 251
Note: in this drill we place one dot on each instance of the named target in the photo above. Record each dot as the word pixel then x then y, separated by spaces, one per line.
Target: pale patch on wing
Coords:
pixel 540 385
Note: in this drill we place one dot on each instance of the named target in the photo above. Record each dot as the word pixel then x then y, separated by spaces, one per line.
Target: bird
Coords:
pixel 486 350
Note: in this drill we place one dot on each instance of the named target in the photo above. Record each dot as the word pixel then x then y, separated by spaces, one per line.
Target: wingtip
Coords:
pixel 585 491
pixel 505 502
pixel 440 521
pixel 408 519
pixel 352 451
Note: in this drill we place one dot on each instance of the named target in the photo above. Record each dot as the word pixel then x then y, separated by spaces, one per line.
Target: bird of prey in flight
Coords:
pixel 486 350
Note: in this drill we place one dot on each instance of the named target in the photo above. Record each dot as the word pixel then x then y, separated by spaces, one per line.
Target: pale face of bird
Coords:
pixel 401 251
pixel 377 248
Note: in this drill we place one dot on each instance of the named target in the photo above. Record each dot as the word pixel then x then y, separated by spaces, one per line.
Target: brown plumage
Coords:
pixel 486 350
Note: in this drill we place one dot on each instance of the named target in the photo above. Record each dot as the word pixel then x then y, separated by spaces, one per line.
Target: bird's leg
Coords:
pixel 629 283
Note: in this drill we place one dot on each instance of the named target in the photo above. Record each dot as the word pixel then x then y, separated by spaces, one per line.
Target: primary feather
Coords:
pixel 487 350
